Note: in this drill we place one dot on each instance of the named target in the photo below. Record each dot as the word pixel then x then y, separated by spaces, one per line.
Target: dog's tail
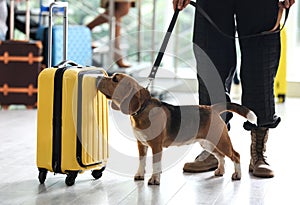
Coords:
pixel 233 107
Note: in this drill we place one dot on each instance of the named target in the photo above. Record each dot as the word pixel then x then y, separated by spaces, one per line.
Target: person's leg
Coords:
pixel 215 54
pixel 259 63
pixel 216 62
pixel 121 9
pixel 100 19
pixel 220 50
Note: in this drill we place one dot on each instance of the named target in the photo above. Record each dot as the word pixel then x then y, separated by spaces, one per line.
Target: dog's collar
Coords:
pixel 142 108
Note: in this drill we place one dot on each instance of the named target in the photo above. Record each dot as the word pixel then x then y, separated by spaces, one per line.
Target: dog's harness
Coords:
pixel 166 39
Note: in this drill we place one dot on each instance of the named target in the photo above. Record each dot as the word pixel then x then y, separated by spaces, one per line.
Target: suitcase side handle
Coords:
pixel 65 30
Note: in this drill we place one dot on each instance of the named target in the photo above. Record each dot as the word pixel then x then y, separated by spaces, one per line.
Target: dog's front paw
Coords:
pixel 138 177
pixel 154 180
pixel 236 176
pixel 219 172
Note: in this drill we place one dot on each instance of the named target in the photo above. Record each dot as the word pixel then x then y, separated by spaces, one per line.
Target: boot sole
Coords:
pixel 251 170
pixel 199 171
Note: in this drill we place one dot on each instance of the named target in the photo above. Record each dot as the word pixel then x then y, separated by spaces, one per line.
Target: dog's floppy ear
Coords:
pixel 128 95
pixel 131 102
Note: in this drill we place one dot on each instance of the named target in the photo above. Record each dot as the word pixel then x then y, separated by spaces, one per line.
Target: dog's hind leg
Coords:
pixel 210 147
pixel 221 164
pixel 234 156
pixel 237 166
pixel 225 147
pixel 142 161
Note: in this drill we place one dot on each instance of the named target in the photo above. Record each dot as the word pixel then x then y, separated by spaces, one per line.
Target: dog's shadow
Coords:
pixel 203 176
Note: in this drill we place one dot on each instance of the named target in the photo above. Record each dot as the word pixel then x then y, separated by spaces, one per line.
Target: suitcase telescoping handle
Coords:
pixel 65 63
pixel 65 30
pixel 12 20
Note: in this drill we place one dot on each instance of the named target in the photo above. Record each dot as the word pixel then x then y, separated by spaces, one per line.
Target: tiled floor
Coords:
pixel 19 183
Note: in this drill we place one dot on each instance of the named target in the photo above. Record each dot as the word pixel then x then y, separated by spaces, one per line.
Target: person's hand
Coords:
pixel 181 4
pixel 287 3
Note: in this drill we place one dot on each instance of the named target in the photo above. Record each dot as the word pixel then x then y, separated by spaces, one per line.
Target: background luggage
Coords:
pixel 72 121
pixel 20 64
pixel 79 40
pixel 280 80
pixel 79 44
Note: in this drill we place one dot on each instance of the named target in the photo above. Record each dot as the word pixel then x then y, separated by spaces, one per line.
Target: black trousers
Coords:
pixel 216 54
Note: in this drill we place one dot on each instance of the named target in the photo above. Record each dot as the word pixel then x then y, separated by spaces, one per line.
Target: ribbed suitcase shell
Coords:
pixel 83 130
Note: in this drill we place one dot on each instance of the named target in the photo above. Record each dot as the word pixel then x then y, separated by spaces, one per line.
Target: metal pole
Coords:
pixel 176 47
pixel 12 19
pixel 112 30
pixel 153 31
pixel 139 42
pixel 27 21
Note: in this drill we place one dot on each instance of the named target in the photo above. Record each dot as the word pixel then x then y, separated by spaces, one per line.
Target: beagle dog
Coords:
pixel 157 124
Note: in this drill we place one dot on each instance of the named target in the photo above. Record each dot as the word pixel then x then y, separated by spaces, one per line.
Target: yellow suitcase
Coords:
pixel 72 122
pixel 280 80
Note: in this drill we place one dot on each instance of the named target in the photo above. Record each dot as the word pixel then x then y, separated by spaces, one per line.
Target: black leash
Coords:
pixel 163 47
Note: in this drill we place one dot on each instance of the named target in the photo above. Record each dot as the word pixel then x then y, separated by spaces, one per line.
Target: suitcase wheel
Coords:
pixel 281 98
pixel 42 175
pixel 71 176
pixel 97 174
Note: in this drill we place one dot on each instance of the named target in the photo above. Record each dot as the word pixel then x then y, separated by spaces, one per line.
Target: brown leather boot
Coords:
pixel 258 165
pixel 203 162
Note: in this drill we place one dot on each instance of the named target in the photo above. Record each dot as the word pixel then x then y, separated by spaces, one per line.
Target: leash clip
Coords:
pixel 149 82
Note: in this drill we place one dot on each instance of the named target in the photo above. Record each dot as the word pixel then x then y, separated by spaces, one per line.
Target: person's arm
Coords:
pixel 288 3
pixel 181 4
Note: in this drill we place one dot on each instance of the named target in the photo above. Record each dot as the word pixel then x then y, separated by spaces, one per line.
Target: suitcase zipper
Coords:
pixel 57 121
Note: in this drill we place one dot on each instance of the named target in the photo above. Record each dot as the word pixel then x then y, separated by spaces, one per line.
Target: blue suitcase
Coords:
pixel 79 44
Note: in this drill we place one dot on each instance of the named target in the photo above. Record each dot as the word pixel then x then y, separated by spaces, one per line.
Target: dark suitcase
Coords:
pixel 20 64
